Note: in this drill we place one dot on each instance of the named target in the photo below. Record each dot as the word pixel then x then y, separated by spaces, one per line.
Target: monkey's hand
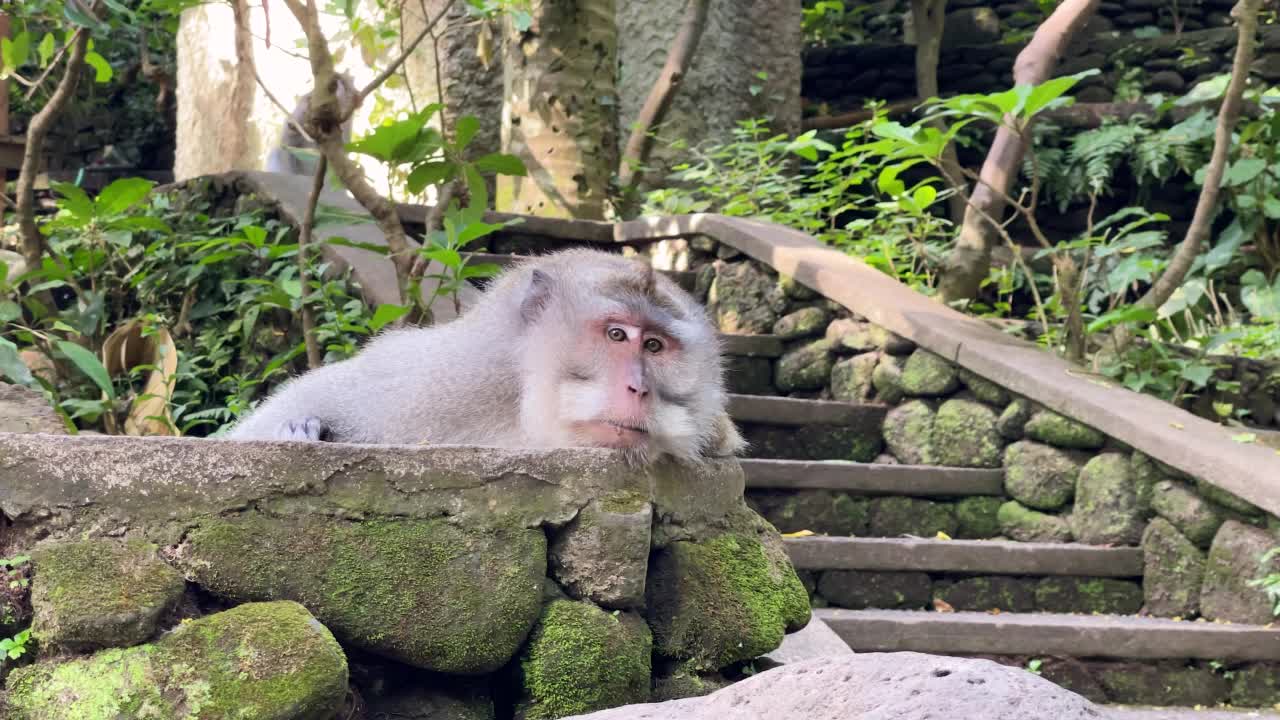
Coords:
pixel 304 430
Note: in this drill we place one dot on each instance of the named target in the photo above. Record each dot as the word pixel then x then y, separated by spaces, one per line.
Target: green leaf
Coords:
pixel 386 314
pixel 1197 375
pixel 46 49
pixel 75 13
pixel 122 194
pixel 1122 315
pixel 74 200
pixel 1245 438
pixel 521 20
pixel 430 173
pixel 476 187
pixel 9 311
pixel 1183 297
pixel 924 196
pixel 14 53
pixel 102 68
pixel 1242 171
pixel 12 367
pixel 480 270
pixel 291 287
pixel 391 142
pixel 465 129
pixel 501 164
pixel 88 364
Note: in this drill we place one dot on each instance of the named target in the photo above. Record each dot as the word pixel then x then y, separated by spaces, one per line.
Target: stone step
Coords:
pixel 1081 636
pixel 792 411
pixel 686 279
pixel 991 557
pixel 872 478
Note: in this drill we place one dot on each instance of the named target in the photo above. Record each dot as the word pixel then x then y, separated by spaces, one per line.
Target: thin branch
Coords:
pixel 849 119
pixel 34 85
pixel 390 70
pixel 314 360
pixel 288 114
pixel 664 89
pixel 37 131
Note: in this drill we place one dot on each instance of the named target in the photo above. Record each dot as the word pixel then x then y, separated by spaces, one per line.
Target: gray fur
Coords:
pixel 501 374
pixel 281 160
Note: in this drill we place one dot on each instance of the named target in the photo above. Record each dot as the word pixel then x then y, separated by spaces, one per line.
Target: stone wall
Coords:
pixel 267 578
pixel 975 61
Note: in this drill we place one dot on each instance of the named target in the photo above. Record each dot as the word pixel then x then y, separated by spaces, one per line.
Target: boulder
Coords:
pixel 983 389
pixel 927 374
pixel 796 290
pixel 723 600
pixel 991 592
pixel 908 432
pixel 877 686
pixel 1040 476
pixel 1233 564
pixel 581 658
pixel 739 299
pixel 101 593
pixel 1023 524
pixel 1106 596
pixel 1106 509
pixel 1050 427
pixel 804 322
pixel 863 589
pixel 977 517
pixel 267 661
pixel 1191 514
pixel 829 512
pixel 897 515
pixel 856 336
pixel 964 435
pixel 602 555
pixel 424 592
pixel 1013 420
pixel 1173 570
pixel 851 378
pixel 887 379
pixel 807 367
pixel 23 410
pixel 815 640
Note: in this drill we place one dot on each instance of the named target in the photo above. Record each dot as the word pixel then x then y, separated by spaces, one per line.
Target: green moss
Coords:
pixel 928 374
pixel 101 593
pixel 964 435
pixel 427 593
pixel 724 600
pixel 1026 525
pixel 623 502
pixel 580 659
pixel 268 661
pixel 1050 427
pixel 978 517
pixel 896 515
pixel 1107 596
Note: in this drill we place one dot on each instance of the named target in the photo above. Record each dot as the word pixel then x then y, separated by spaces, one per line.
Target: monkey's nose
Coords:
pixel 637 391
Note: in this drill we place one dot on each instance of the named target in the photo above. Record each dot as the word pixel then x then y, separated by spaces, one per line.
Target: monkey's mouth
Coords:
pixel 614 434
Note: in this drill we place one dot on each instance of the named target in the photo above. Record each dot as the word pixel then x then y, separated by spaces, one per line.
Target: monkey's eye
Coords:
pixel 653 345
pixel 616 334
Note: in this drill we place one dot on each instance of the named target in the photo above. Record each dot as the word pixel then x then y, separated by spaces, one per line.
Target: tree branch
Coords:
pixel 679 58
pixel 314 360
pixel 38 130
pixel 390 69
pixel 970 260
pixel 849 119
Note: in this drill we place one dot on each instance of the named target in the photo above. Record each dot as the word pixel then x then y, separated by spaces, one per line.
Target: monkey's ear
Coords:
pixel 536 296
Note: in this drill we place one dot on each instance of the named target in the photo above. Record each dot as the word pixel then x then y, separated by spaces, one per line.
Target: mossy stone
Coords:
pixel 101 593
pixel 267 661
pixel 887 379
pixel 739 299
pixel 1172 684
pixel 991 592
pixel 1145 475
pixel 828 512
pixel 855 335
pixel 681 681
pixel 602 555
pixel 964 435
pixel 1256 685
pixel 983 389
pixel 908 432
pixel 1106 596
pixel 724 600
pixel 1013 419
pixel 807 367
pixel 1194 517
pixel 896 515
pixel 1173 570
pixel 978 517
pixel 861 589
pixel 580 659
pixel 1023 524
pixel 425 592
pixel 851 378
pixel 1217 495
pixel 927 374
pixel 1040 476
pixel 796 290
pixel 1106 510
pixel 804 322
pixel 1050 427
pixel 857 443
pixel 1234 563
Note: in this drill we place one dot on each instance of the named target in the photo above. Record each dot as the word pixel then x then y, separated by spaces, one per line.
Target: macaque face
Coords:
pixel 630 371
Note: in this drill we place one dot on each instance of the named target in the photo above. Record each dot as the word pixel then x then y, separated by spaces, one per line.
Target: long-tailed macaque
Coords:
pixel 577 348
pixel 281 159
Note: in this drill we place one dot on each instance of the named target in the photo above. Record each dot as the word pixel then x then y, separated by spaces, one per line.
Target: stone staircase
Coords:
pixel 888 568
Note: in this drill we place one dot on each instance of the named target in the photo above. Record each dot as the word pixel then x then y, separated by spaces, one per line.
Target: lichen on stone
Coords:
pixel 964 435
pixel 580 659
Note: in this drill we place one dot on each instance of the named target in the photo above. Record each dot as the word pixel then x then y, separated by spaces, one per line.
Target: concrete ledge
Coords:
pixel 70 484
pixel 873 478
pixel 791 411
pixel 1196 446
pixel 1099 636
pixel 999 557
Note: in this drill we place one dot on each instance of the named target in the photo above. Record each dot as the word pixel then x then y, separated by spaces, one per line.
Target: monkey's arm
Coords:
pixel 313 407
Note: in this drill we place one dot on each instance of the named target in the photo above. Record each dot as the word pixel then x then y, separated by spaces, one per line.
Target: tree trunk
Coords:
pixel 561 110
pixel 929 18
pixel 970 260
pixel 679 58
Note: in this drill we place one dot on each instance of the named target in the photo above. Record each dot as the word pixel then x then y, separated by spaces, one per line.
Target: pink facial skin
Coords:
pixel 632 348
